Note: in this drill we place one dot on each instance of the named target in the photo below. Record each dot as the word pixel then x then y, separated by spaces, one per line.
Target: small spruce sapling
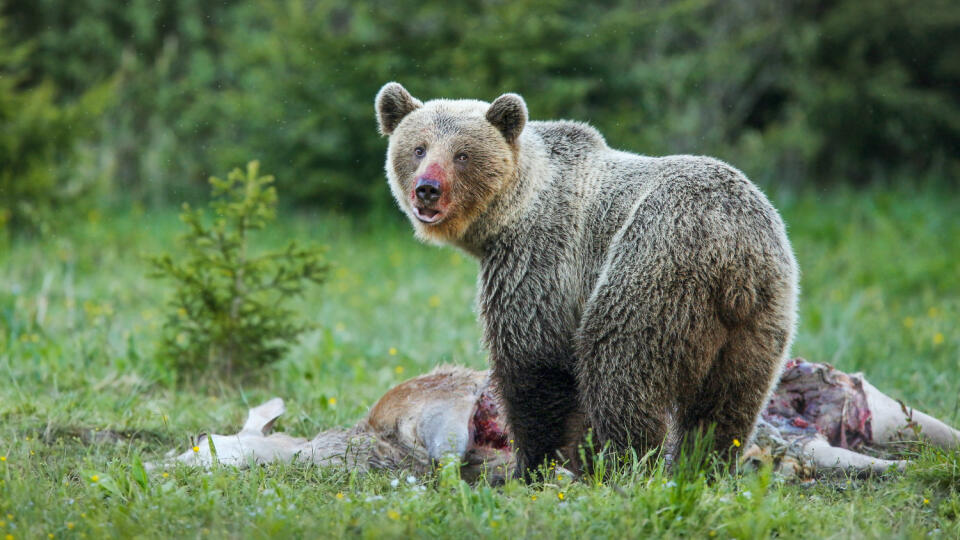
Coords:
pixel 228 309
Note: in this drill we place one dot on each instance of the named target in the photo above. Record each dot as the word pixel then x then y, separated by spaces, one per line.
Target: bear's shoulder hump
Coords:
pixel 570 135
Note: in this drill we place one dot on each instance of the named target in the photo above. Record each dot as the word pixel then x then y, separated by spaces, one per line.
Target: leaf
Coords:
pixel 138 472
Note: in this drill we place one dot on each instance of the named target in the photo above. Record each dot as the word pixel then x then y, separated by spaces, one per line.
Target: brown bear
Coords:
pixel 643 295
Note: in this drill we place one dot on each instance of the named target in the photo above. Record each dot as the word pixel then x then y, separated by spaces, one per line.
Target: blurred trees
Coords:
pixel 792 92
pixel 164 59
pixel 38 138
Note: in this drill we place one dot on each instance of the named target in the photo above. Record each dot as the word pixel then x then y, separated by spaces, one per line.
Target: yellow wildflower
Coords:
pixel 533 497
pixel 340 495
pixel 165 475
pixel 926 500
pixel 434 301
pixel 938 338
pixel 494 524
pixel 908 322
pixel 560 495
pixel 9 537
pixel 398 370
pixel 3 458
pixel 393 514
pixel 94 478
pixel 196 448
pixel 70 525
pixel 332 401
pixel 736 442
pixel 392 351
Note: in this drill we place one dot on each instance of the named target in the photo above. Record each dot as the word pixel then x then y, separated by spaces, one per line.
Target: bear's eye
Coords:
pixel 419 151
pixel 461 157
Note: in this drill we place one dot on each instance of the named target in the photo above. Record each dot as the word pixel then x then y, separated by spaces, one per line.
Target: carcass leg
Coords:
pixel 833 459
pixel 890 421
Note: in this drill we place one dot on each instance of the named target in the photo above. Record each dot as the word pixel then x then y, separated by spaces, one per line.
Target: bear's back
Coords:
pixel 588 192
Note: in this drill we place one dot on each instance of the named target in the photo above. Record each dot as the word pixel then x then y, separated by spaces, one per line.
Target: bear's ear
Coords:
pixel 508 113
pixel 393 103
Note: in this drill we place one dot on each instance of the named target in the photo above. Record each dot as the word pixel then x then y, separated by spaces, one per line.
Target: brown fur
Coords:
pixel 646 294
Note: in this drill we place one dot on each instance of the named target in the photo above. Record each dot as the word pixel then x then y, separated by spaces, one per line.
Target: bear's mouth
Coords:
pixel 427 215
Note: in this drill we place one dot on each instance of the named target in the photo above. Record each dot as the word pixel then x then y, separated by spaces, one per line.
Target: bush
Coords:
pixel 38 143
pixel 165 63
pixel 227 312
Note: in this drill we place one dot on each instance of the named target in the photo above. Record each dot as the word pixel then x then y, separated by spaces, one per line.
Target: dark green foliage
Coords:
pixel 228 310
pixel 882 87
pixel 38 140
pixel 789 92
pixel 165 61
pixel 792 92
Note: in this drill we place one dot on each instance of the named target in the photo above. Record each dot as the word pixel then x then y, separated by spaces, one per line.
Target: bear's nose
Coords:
pixel 427 190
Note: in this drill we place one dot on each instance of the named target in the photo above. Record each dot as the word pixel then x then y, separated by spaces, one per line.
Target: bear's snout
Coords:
pixel 427 206
pixel 428 190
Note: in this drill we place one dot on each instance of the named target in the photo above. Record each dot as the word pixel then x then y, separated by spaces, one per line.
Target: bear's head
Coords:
pixel 447 160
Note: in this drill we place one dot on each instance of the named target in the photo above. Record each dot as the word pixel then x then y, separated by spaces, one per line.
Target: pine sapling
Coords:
pixel 228 310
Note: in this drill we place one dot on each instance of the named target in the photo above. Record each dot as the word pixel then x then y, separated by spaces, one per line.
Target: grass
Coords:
pixel 79 325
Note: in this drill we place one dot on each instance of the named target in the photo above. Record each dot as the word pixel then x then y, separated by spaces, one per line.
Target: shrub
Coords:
pixel 163 60
pixel 228 309
pixel 38 139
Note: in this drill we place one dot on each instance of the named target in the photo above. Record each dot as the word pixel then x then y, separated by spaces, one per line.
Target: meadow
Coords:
pixel 80 321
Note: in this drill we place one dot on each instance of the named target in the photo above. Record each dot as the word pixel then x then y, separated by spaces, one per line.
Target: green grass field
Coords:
pixel 80 321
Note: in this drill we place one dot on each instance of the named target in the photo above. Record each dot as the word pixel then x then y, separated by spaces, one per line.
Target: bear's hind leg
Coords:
pixel 737 387
pixel 640 346
pixel 626 404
